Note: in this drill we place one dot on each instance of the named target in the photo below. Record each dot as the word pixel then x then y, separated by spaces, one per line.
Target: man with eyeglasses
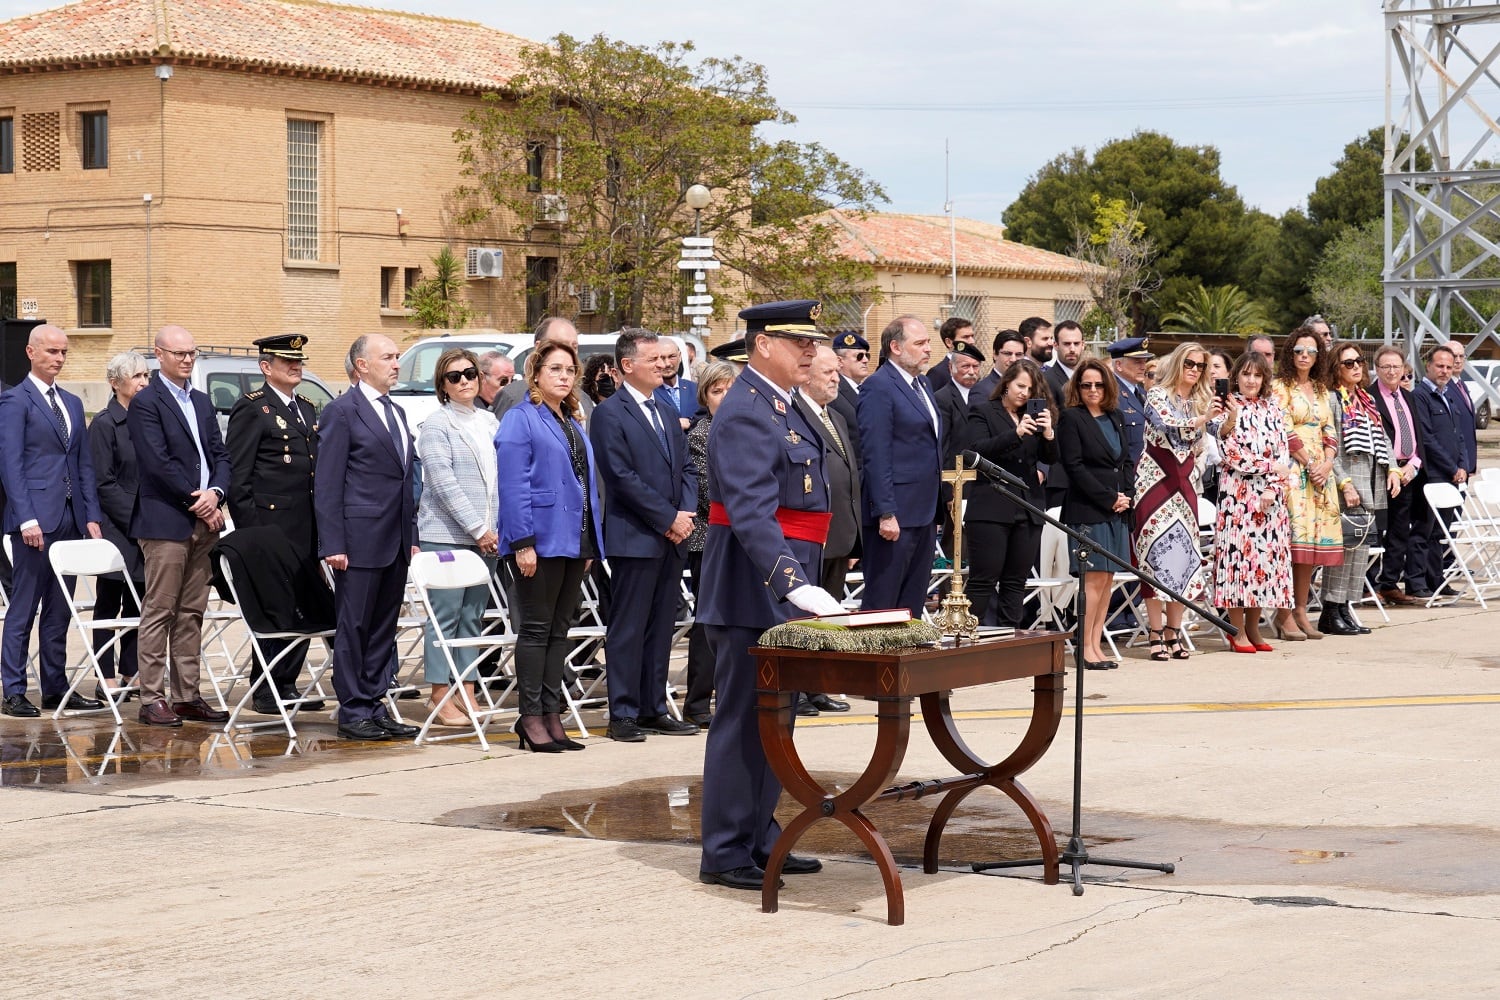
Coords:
pixel 1007 348
pixel 184 478
pixel 1128 358
pixel 854 361
pixel 681 394
pixel 496 371
pixel 550 328
pixel 1398 411
pixel 1317 324
pixel 1445 460
pixel 272 442
pixel 650 496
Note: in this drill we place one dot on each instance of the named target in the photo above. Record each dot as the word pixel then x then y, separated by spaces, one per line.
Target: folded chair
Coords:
pixel 90 558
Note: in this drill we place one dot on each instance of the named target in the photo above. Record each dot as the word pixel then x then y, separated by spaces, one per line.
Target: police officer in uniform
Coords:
pixel 272 441
pixel 768 519
pixel 1130 356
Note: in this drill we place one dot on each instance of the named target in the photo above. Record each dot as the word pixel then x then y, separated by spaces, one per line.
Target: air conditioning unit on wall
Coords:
pixel 552 209
pixel 484 263
pixel 588 301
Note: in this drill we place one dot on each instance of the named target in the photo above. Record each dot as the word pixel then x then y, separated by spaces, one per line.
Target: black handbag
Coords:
pixel 1359 526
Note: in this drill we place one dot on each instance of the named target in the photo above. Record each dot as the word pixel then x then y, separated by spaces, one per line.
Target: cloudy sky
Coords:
pixel 1279 86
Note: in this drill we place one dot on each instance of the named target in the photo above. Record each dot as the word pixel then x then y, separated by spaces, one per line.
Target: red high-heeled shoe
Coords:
pixel 1247 648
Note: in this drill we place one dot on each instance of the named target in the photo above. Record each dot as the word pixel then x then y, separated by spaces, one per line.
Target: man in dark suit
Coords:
pixel 272 449
pixel 854 363
pixel 183 474
pixel 366 513
pixel 1129 357
pixel 953 403
pixel 902 436
pixel 1458 396
pixel 1007 348
pixel 550 328
pixel 1039 339
pixel 954 331
pixel 650 494
pixel 767 524
pixel 678 393
pixel 1067 352
pixel 1398 411
pixel 1444 460
pixel 50 496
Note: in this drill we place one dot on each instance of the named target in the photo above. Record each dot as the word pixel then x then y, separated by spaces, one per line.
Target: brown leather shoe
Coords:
pixel 1394 596
pixel 158 714
pixel 199 711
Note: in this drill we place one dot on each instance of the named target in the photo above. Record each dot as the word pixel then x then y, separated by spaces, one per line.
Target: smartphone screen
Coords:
pixel 1221 388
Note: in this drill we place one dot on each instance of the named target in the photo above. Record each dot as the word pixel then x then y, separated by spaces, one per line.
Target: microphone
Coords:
pixel 991 471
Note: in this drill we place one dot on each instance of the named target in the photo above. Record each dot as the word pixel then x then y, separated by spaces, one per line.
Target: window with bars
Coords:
pixel 1065 309
pixel 304 147
pixel 92 280
pixel 95 126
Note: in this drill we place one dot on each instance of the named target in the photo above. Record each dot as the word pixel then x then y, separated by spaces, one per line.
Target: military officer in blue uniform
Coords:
pixel 1130 356
pixel 272 441
pixel 768 518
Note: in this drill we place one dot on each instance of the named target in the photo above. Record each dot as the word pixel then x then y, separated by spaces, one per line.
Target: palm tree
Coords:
pixel 1225 309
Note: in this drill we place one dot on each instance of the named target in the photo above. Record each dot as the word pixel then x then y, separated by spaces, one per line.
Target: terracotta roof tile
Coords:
pixel 887 238
pixel 287 35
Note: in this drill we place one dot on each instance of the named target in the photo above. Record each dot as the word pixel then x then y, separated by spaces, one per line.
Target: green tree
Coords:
pixel 1116 259
pixel 620 132
pixel 1346 283
pixel 437 301
pixel 1224 309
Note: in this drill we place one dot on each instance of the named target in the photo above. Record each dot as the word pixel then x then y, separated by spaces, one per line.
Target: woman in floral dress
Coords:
pixel 1312 500
pixel 1252 553
pixel 1178 408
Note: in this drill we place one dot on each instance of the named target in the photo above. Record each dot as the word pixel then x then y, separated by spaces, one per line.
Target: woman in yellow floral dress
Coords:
pixel 1312 499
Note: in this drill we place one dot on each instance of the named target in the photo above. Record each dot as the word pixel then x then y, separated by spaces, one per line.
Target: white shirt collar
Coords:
pixel 285 399
pixel 786 396
pixel 635 394
pixel 41 387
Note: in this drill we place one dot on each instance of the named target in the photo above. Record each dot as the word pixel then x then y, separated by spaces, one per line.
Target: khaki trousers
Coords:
pixel 177 575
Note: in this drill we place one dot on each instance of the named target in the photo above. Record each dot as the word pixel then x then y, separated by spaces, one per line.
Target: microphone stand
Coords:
pixel 1076 855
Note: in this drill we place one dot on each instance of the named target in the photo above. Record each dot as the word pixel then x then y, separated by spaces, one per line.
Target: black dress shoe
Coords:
pixel 264 704
pixel 102 694
pixel 18 706
pixel 823 703
pixel 199 711
pixel 362 729
pixel 806 709
pixel 748 877
pixel 701 721
pixel 796 864
pixel 1419 594
pixel 1330 623
pixel 311 705
pixel 665 725
pixel 625 731
pixel 394 729
pixel 76 703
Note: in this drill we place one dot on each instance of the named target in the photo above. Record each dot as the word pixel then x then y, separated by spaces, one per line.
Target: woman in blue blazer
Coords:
pixel 550 531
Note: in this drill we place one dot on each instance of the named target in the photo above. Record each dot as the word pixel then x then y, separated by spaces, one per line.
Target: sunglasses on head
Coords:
pixel 469 374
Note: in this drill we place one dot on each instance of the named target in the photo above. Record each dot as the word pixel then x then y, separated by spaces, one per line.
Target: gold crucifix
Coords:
pixel 954 618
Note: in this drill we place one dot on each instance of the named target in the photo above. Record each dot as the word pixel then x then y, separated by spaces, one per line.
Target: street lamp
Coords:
pixel 697 254
pixel 697 198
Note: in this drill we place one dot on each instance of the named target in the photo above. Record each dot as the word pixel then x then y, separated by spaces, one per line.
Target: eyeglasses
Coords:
pixel 1090 386
pixel 504 380
pixel 1352 362
pixel 560 371
pixel 180 355
pixel 469 374
pixel 1305 350
pixel 861 355
pixel 1389 368
pixel 1194 366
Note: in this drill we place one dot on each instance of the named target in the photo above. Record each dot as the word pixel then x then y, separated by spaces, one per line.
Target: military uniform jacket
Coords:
pixel 272 458
pixel 762 454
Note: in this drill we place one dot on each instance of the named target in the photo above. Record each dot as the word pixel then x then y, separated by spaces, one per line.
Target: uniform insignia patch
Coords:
pixel 780 406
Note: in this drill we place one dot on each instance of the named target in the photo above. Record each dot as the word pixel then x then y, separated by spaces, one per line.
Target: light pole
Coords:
pixel 697 256
pixel 697 198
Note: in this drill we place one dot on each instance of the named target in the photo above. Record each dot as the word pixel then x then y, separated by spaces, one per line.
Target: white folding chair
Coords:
pixel 89 558
pixel 286 708
pixel 459 570
pixel 1051 584
pixel 1471 543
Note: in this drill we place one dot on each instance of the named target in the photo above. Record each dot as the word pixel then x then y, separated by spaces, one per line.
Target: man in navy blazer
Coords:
pixel 1129 358
pixel 1444 459
pixel 50 496
pixel 183 480
pixel 650 494
pixel 902 436
pixel 365 504
pixel 681 394
pixel 1458 395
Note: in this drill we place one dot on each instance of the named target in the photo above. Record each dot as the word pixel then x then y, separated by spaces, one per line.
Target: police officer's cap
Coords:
pixel 283 345
pixel 969 351
pixel 1130 347
pixel 732 351
pixel 796 318
pixel 847 341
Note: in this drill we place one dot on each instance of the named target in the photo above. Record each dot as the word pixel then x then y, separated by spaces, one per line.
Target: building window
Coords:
pixel 540 275
pixel 1064 309
pixel 93 292
pixel 95 139
pixel 304 147
pixel 387 284
pixel 8 302
pixel 413 275
pixel 7 145
pixel 534 152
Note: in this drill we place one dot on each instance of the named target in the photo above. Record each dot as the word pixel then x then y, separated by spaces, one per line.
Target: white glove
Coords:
pixel 814 600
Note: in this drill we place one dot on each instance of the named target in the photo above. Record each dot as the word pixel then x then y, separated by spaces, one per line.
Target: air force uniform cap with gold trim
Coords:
pixel 847 341
pixel 283 345
pixel 794 318
pixel 1130 347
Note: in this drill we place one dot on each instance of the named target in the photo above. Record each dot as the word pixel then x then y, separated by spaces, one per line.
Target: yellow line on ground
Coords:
pixel 1395 701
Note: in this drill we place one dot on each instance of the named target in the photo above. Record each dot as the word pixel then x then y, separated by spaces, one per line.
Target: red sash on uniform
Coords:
pixel 803 525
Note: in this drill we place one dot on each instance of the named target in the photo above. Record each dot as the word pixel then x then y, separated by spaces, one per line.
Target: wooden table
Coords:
pixel 892 681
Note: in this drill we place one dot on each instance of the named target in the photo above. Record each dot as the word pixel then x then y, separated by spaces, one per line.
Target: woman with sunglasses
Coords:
pixel 1312 499
pixel 551 530
pixel 1252 560
pixel 1178 409
pixel 1094 451
pixel 1363 475
pixel 457 511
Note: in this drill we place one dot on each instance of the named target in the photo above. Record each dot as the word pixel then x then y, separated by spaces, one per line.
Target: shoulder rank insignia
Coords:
pixel 780 406
pixel 255 394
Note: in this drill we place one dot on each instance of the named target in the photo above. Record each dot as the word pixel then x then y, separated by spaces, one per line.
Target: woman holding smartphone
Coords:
pixel 1013 429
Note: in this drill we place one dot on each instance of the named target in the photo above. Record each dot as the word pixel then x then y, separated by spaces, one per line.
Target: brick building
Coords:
pixel 243 168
